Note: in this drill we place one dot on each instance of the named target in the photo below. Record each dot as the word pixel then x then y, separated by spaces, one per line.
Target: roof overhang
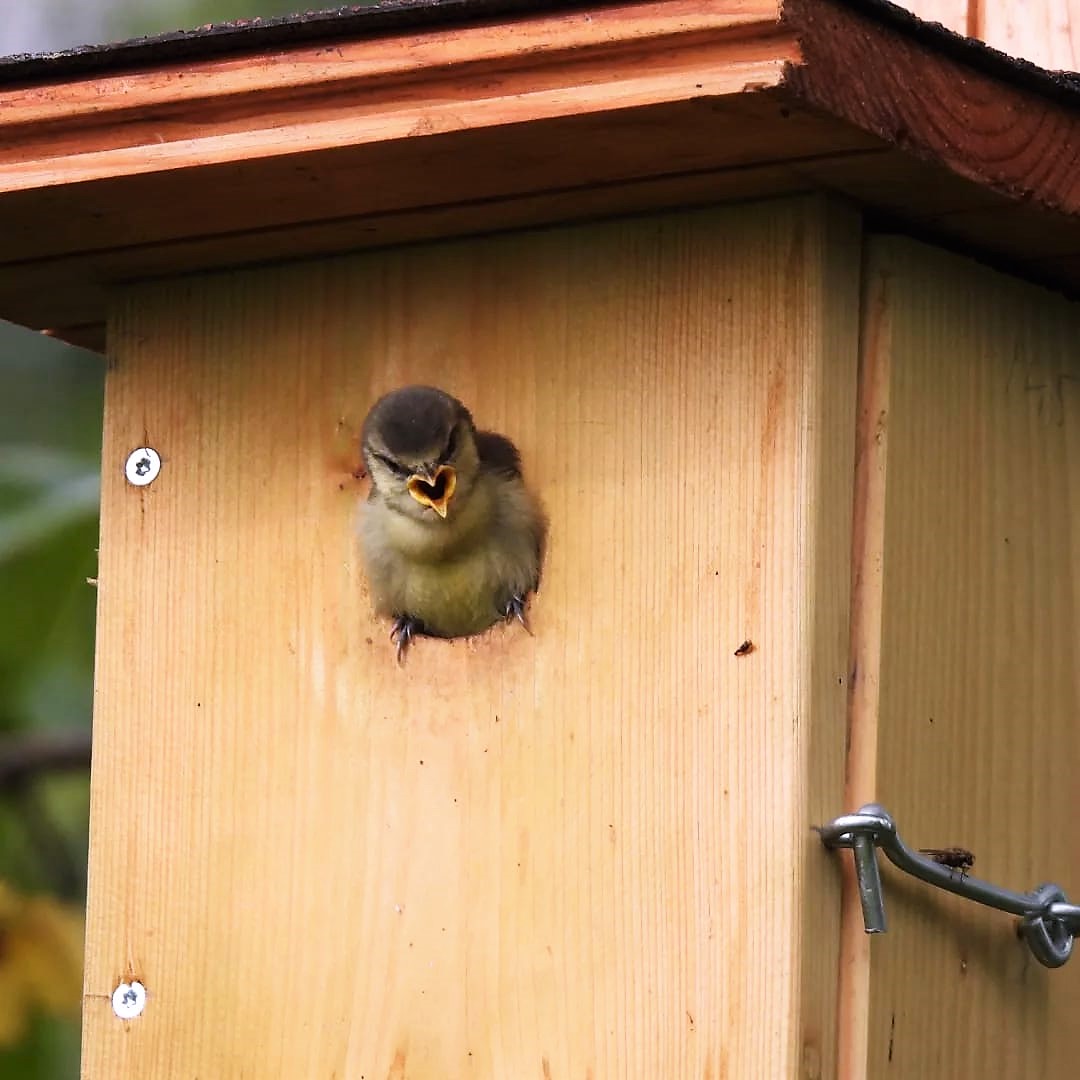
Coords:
pixel 415 121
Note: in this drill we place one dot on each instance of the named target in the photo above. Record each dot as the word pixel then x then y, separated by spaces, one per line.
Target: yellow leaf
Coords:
pixel 41 952
pixel 13 1004
pixel 47 945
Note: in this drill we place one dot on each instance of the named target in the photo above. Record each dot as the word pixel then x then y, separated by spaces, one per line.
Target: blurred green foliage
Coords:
pixel 134 18
pixel 50 447
pixel 49 1051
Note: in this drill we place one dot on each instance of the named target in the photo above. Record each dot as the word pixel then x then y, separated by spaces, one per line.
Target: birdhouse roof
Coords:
pixel 332 131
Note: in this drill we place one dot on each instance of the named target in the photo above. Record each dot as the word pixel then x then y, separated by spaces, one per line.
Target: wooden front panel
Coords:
pixel 967 645
pixel 579 854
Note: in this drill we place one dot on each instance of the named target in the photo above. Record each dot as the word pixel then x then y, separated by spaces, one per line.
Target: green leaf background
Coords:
pixel 50 449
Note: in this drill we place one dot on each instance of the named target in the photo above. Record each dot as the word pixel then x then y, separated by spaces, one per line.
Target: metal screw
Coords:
pixel 128 1000
pixel 142 466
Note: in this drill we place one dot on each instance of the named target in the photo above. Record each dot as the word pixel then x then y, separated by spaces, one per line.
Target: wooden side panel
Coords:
pixel 1046 32
pixel 975 386
pixel 579 854
pixel 954 14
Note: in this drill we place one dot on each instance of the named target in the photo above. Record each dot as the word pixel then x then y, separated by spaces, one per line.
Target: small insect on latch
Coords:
pixel 955 858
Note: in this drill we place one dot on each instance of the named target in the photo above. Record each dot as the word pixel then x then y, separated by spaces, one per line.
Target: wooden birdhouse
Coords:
pixel 776 304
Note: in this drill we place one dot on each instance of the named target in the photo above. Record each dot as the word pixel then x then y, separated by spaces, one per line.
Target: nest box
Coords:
pixel 775 302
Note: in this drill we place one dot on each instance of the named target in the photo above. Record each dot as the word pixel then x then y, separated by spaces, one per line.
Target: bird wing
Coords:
pixel 498 454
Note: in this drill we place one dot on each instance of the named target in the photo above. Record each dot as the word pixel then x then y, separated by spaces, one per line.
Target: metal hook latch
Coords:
pixel 1049 924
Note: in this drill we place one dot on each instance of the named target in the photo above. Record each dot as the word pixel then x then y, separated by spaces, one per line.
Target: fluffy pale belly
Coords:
pixel 453 598
pixel 457 580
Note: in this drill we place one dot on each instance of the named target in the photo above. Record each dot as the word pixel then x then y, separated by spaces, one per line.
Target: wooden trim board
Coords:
pixel 546 116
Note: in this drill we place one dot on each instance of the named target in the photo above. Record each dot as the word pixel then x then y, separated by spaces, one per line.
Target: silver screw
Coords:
pixel 142 466
pixel 128 1000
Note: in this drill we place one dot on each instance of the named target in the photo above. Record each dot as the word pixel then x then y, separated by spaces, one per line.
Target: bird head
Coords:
pixel 419 447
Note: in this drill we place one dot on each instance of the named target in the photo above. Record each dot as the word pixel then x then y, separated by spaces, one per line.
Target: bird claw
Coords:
pixel 515 609
pixel 405 629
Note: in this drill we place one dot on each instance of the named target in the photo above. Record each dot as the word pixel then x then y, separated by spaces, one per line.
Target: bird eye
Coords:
pixel 391 464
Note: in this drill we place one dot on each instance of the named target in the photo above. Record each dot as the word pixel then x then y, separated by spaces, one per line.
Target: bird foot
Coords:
pixel 405 629
pixel 515 609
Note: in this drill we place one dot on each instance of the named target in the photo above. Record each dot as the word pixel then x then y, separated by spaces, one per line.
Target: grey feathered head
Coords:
pixel 419 448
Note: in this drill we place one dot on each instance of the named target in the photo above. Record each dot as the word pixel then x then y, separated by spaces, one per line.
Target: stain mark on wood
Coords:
pixel 397 1066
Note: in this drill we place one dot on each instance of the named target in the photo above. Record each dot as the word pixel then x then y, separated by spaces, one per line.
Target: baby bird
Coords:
pixel 451 538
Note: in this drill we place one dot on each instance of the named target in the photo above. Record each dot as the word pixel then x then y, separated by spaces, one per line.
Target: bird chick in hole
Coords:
pixel 452 540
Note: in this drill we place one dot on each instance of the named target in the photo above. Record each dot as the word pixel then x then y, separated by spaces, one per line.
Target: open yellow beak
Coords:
pixel 436 492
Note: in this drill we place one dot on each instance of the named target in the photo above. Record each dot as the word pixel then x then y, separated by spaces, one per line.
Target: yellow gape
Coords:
pixel 438 492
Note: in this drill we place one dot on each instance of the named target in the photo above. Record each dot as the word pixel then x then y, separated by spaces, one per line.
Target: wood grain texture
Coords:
pixel 1005 135
pixel 440 111
pixel 971 217
pixel 78 285
pixel 381 90
pixel 1046 32
pixel 830 443
pixel 579 854
pixel 248 203
pixel 543 118
pixel 976 740
pixel 218 95
pixel 604 167
pixel 864 668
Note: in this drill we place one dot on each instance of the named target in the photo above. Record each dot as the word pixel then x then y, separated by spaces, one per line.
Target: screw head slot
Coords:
pixel 128 1000
pixel 142 466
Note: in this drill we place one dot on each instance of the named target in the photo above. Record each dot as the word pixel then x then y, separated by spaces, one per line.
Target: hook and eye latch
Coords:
pixel 1048 922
